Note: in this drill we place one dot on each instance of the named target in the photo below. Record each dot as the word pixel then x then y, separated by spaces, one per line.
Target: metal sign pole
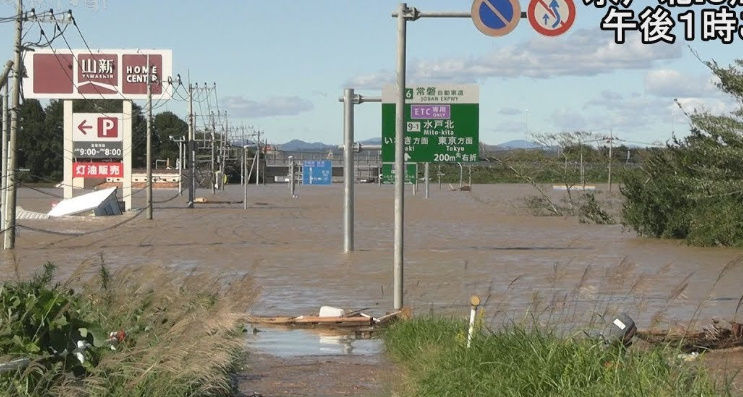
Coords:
pixel 402 14
pixel 348 180
pixel 399 158
pixel 425 176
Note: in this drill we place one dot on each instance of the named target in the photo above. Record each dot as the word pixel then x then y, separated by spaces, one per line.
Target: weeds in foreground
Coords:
pixel 182 334
pixel 533 361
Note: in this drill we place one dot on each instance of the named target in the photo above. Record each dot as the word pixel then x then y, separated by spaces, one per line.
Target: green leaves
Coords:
pixel 43 323
pixel 693 188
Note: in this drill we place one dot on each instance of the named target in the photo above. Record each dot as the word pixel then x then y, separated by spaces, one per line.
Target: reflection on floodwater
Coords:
pixel 291 342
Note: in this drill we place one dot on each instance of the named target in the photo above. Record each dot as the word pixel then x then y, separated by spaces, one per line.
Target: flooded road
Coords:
pixel 481 242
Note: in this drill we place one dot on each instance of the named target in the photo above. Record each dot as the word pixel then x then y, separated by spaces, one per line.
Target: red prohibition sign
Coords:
pixel 551 17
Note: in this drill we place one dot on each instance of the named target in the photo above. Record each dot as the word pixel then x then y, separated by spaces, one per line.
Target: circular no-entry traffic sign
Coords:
pixel 496 17
pixel 551 17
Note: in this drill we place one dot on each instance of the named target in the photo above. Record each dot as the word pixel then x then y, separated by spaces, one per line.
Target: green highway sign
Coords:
pixel 388 172
pixel 441 123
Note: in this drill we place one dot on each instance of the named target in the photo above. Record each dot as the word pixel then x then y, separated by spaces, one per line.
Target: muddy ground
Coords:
pixel 481 242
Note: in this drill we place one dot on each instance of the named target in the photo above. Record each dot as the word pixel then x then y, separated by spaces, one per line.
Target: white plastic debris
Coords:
pixel 688 357
pixel 81 347
pixel 329 311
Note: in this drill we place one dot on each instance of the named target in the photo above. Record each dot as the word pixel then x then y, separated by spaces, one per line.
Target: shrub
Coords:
pixel 693 188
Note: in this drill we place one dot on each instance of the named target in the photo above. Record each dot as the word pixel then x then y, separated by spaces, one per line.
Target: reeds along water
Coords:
pixel 598 294
pixel 183 329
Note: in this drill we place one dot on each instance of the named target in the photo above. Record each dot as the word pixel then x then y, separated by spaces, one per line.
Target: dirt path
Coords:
pixel 272 376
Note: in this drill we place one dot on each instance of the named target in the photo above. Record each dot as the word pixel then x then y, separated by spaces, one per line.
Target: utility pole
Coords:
pixel 181 162
pixel 242 167
pixel 149 139
pixel 258 158
pixel 213 179
pixel 191 148
pixel 4 160
pixel 224 151
pixel 611 146
pixel 246 176
pixel 9 236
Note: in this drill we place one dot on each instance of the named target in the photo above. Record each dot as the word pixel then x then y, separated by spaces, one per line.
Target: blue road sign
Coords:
pixel 317 172
pixel 496 17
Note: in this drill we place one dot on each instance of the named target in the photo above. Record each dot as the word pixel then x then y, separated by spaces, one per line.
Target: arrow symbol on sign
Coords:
pixel 554 6
pixel 407 157
pixel 546 18
pixel 82 127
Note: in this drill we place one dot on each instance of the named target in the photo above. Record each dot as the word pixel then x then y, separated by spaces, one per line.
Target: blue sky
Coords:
pixel 280 65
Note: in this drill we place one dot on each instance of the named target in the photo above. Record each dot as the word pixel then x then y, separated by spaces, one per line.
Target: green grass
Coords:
pixel 518 361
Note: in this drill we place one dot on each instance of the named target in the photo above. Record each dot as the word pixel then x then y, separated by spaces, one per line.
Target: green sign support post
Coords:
pixel 441 123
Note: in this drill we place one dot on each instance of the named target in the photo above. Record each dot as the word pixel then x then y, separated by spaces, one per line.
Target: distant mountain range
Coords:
pixel 518 144
pixel 298 145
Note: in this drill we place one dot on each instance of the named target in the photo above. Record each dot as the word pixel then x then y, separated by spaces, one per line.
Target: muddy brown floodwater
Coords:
pixel 457 244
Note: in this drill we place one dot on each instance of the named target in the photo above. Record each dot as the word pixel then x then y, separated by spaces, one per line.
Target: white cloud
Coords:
pixel 510 111
pixel 585 53
pixel 672 83
pixel 612 110
pixel 239 106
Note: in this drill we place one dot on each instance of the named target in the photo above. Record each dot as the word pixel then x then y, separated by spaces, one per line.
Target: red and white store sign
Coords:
pixel 98 170
pixel 97 74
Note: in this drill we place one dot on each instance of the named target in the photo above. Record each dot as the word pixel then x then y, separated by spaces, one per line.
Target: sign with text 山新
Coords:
pixel 97 74
pixel 441 123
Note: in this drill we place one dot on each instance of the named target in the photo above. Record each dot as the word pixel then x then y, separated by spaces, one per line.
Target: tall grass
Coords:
pixel 183 336
pixel 533 361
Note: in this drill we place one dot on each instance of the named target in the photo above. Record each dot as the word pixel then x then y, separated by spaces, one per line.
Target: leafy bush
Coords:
pixel 43 323
pixel 176 335
pixel 693 188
